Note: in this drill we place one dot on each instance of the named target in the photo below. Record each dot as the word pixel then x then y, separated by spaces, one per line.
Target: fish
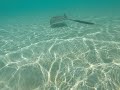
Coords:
pixel 59 21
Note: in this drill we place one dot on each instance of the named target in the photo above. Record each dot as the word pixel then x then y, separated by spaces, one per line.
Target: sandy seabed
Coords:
pixel 34 56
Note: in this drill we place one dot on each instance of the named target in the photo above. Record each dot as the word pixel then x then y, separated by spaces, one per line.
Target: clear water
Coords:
pixel 34 56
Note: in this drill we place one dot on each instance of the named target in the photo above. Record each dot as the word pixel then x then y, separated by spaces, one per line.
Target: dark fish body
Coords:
pixel 59 21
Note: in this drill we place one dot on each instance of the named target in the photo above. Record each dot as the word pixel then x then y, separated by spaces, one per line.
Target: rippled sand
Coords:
pixel 34 56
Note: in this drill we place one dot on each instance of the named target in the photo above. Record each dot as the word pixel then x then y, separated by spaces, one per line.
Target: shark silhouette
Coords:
pixel 59 21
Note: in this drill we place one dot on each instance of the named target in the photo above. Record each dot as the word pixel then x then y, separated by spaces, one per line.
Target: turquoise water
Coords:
pixel 34 56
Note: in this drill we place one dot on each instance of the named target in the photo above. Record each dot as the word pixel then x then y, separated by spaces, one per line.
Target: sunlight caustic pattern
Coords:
pixel 78 57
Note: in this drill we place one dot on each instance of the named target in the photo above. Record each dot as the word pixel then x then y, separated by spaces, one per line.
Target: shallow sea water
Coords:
pixel 34 56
